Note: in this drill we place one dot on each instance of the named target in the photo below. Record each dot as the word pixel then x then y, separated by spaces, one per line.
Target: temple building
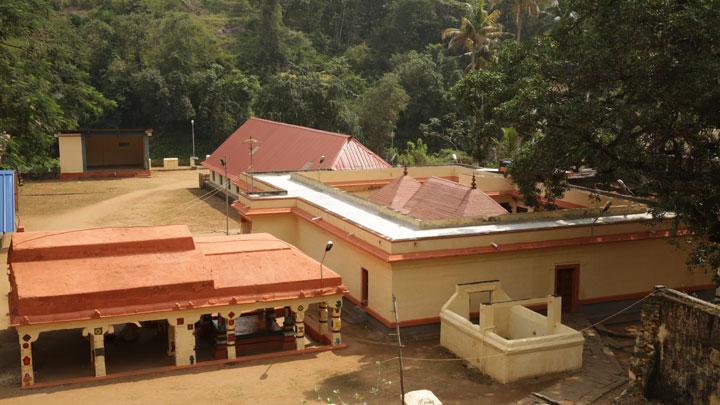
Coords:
pixel 198 298
pixel 417 233
pixel 263 146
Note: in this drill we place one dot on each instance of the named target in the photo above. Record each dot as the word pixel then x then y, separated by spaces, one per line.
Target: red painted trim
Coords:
pixel 103 174
pixel 478 250
pixel 523 246
pixel 380 183
pixel 634 296
pixel 536 307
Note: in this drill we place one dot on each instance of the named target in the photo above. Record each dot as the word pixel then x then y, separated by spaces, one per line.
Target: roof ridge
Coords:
pixel 285 124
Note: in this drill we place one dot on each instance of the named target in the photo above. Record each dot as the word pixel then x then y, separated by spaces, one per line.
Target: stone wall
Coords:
pixel 677 355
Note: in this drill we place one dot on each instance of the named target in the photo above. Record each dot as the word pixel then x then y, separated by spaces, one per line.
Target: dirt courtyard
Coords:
pixel 365 372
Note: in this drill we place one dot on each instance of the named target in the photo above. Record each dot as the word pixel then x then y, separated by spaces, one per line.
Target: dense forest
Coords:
pixel 629 87
pixel 378 69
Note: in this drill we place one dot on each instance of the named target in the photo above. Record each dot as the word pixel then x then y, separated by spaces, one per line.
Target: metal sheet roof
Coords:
pixel 280 147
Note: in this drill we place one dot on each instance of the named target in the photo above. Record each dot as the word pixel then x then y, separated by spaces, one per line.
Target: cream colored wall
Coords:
pixel 606 270
pixel 281 226
pixel 71 154
pixel 344 258
pixel 348 261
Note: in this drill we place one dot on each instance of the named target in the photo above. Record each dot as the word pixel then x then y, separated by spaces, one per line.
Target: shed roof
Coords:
pixel 280 147
pixel 74 275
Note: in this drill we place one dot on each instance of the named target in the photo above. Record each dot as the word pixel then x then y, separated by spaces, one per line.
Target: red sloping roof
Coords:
pixel 436 198
pixel 355 155
pixel 283 147
pixel 48 286
pixel 396 193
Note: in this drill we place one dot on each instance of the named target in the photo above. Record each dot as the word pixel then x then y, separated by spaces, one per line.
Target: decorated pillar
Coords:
pixel 96 335
pixel 171 340
pixel 184 334
pixel 300 327
pixel 323 318
pixel 27 376
pixel 336 323
pixel 230 337
pixel 288 321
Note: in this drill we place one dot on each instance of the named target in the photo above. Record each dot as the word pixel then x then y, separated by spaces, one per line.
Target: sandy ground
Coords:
pixel 168 197
pixel 364 372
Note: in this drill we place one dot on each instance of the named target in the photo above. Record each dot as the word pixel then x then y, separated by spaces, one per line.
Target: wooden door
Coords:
pixel 566 286
pixel 364 283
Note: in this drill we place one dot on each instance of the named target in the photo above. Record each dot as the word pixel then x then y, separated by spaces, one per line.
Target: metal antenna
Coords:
pixel 400 351
pixel 225 163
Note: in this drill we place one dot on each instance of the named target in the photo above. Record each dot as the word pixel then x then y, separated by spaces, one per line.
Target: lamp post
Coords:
pixel 328 247
pixel 224 164
pixel 192 125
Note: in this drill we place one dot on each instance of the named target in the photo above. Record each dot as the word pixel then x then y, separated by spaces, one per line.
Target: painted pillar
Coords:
pixel 146 154
pixel 96 334
pixel 184 334
pixel 230 337
pixel 487 317
pixel 171 340
pixel 27 376
pixel 323 318
pixel 336 323
pixel 288 321
pixel 554 314
pixel 300 327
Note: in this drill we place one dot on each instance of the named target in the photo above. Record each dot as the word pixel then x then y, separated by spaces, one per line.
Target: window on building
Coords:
pixel 237 189
pixel 213 176
pixel 124 145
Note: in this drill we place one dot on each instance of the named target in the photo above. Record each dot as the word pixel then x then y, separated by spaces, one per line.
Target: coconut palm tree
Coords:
pixel 477 34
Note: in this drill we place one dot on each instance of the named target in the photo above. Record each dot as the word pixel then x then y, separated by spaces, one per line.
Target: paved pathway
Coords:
pixel 600 374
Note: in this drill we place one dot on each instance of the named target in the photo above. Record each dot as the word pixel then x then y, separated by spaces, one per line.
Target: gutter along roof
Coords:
pixel 395 231
pixel 85 274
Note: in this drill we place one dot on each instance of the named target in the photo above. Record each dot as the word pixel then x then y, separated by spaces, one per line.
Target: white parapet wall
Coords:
pixel 511 342
pixel 170 163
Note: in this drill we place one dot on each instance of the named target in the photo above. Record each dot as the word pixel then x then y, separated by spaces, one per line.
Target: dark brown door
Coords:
pixel 364 281
pixel 566 286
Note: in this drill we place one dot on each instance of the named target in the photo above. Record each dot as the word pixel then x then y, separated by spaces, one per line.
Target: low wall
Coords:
pixel 510 360
pixel 677 355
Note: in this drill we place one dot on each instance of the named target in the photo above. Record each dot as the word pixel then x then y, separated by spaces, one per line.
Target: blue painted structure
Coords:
pixel 7 180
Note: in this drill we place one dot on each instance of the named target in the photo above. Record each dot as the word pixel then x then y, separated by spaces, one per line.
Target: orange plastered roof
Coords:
pixel 150 277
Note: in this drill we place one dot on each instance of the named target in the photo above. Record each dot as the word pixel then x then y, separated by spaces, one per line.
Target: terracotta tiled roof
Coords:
pixel 283 147
pixel 436 199
pixel 69 275
pixel 396 193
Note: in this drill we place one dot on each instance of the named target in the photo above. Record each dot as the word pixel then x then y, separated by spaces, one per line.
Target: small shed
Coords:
pixel 104 152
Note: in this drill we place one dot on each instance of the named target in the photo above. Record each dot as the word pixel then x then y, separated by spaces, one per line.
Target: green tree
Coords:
pixel 521 11
pixel 45 83
pixel 378 110
pixel 308 98
pixel 637 101
pixel 477 34
pixel 421 79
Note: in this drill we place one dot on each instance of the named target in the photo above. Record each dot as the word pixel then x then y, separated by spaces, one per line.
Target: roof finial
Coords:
pixel 473 185
pixel 405 170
